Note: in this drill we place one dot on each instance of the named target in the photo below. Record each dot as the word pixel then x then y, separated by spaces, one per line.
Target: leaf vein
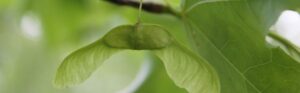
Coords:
pixel 203 2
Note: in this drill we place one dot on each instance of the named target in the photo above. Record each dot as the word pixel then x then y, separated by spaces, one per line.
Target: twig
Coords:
pixel 149 7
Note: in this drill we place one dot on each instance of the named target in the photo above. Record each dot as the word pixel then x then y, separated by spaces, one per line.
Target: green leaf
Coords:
pixel 79 65
pixel 188 70
pixel 230 35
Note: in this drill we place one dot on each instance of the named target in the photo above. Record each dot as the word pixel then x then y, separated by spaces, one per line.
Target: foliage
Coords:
pixel 217 46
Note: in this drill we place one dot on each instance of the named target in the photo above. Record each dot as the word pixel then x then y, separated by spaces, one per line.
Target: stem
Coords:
pixel 287 46
pixel 140 11
pixel 280 39
pixel 283 41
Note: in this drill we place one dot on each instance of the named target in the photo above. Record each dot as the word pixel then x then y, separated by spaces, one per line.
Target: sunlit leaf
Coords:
pixel 188 70
pixel 78 66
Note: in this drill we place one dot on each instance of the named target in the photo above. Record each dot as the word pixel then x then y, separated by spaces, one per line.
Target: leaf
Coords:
pixel 188 70
pixel 230 35
pixel 79 65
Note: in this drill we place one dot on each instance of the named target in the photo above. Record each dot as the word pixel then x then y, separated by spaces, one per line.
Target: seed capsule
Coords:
pixel 138 37
pixel 119 37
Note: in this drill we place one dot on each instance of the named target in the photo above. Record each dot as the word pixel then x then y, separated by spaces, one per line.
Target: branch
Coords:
pixel 149 7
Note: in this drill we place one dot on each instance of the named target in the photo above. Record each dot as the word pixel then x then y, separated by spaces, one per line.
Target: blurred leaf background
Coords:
pixel 35 36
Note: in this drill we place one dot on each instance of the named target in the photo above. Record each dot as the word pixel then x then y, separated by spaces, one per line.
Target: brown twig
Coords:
pixel 149 7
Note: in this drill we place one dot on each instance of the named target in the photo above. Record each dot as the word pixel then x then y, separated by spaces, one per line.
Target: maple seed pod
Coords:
pixel 138 37
pixel 150 37
pixel 119 37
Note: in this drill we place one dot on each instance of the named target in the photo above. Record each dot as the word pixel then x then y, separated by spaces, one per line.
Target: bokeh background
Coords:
pixel 35 36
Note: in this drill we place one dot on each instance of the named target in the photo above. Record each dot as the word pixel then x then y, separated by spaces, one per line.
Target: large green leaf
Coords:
pixel 188 70
pixel 78 66
pixel 230 34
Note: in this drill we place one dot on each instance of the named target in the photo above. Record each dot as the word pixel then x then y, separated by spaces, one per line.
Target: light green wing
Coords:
pixel 79 65
pixel 188 70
